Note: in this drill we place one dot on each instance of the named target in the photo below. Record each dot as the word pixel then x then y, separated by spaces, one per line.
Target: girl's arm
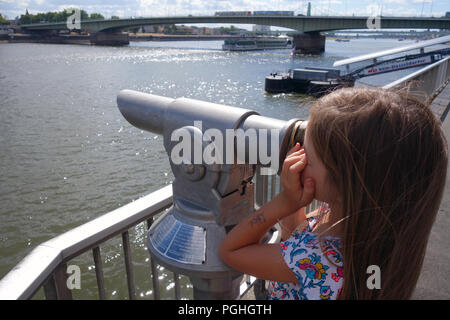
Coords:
pixel 241 249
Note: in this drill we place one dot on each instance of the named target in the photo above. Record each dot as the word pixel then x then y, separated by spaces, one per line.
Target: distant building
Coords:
pixel 261 28
pixel 196 30
pixel 447 14
pixel 148 29
pixel 184 29
pixel 211 31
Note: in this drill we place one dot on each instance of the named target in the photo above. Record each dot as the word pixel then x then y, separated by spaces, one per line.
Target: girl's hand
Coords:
pixel 296 195
pixel 242 248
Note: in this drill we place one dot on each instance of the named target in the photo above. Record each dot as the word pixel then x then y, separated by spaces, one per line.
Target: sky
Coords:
pixel 159 8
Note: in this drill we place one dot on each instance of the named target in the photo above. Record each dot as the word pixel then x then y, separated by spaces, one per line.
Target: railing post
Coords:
pixel 176 278
pixel 56 286
pixel 99 273
pixel 273 184
pixel 155 281
pixel 128 265
pixel 261 187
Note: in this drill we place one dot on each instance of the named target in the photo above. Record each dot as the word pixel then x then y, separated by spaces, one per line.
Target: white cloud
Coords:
pixel 396 1
pixel 373 9
pixel 127 8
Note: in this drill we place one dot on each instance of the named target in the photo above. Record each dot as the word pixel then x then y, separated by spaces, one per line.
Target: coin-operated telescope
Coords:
pixel 214 151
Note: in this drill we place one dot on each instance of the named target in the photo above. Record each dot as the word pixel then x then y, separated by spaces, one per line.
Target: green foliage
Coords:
pixel 232 29
pixel 3 20
pixel 60 16
pixel 134 29
pixel 96 16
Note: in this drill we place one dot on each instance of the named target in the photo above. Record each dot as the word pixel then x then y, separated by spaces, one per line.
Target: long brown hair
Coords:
pixel 387 156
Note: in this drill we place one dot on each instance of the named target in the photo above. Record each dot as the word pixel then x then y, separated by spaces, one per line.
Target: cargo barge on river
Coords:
pixel 311 81
pixel 319 81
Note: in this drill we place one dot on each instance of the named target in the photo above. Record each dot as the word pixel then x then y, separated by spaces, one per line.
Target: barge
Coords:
pixel 311 81
pixel 320 81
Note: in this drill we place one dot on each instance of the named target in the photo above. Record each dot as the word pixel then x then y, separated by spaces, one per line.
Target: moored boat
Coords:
pixel 311 81
pixel 255 43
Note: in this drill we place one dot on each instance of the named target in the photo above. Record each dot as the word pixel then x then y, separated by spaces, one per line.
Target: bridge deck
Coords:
pixel 300 23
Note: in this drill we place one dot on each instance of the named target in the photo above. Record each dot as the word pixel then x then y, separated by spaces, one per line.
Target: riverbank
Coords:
pixel 86 39
pixel 178 37
pixel 55 39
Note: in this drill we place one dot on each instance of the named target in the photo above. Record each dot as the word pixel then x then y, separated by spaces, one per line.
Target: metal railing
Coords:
pixel 46 265
pixel 426 83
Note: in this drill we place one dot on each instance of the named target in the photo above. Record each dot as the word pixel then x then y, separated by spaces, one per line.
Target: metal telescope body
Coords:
pixel 209 198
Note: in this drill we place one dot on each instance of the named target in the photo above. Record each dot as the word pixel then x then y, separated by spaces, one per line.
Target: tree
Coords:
pixel 134 29
pixel 97 16
pixel 25 18
pixel 60 16
pixel 84 15
pixel 3 20
pixel 230 30
pixel 114 17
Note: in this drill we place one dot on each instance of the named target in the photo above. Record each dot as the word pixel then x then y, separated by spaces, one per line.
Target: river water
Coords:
pixel 68 156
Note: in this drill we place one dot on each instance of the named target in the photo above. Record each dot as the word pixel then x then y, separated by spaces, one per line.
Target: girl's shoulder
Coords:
pixel 306 243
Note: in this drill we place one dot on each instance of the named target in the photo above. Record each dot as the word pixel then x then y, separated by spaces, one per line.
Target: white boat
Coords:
pixel 246 44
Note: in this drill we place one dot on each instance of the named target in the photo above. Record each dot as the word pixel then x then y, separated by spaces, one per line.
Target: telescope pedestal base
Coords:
pixel 212 289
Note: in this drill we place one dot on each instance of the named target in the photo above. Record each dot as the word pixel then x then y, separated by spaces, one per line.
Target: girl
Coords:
pixel 378 159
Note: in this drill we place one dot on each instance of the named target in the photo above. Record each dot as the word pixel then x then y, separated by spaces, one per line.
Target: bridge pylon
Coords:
pixel 309 43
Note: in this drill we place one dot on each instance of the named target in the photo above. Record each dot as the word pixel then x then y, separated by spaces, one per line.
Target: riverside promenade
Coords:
pixel 434 281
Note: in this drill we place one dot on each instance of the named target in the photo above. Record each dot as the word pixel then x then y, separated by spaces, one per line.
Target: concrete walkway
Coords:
pixel 434 283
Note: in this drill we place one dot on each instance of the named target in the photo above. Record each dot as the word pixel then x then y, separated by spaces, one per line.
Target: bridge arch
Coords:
pixel 309 39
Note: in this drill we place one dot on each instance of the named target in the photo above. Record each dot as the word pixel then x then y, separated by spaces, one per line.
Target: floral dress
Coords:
pixel 317 265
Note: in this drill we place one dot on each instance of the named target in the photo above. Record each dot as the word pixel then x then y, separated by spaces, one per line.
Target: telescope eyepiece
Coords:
pixel 297 133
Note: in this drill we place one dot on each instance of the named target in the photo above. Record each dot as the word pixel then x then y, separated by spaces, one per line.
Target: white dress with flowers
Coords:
pixel 317 265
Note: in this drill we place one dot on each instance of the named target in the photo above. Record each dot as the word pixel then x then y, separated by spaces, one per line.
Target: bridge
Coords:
pixel 309 39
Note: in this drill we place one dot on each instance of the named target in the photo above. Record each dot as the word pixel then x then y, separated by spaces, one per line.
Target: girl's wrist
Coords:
pixel 288 204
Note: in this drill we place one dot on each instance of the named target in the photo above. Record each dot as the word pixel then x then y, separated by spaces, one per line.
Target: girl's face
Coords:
pixel 315 169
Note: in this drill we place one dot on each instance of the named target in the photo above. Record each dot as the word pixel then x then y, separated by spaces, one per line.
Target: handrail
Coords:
pixel 426 82
pixel 33 271
pixel 45 266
